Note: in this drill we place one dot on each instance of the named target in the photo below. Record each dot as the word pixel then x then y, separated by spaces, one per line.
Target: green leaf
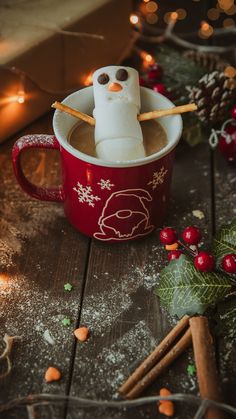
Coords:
pixel 225 242
pixel 183 289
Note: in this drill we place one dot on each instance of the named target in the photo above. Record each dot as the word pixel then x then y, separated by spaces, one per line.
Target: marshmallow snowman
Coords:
pixel 118 134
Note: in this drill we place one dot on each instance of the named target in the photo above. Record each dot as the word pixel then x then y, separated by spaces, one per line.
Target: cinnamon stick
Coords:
pixel 152 359
pixel 165 112
pixel 158 369
pixel 74 112
pixel 204 355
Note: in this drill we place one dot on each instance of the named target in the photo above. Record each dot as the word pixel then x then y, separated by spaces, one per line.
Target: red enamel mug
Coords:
pixel 105 200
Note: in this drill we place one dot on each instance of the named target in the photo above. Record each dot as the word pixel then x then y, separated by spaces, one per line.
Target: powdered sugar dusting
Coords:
pixel 39 323
pixel 101 310
pixel 16 227
pixel 111 366
pixel 39 140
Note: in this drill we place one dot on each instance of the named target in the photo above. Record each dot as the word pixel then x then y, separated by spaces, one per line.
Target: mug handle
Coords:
pixel 35 141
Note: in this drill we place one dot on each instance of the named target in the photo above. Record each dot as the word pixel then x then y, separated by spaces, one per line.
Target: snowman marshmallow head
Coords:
pixel 116 84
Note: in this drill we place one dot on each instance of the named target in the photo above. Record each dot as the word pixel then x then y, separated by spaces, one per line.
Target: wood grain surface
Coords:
pixel 112 288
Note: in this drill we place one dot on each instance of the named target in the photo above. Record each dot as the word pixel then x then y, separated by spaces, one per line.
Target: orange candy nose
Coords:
pixel 114 87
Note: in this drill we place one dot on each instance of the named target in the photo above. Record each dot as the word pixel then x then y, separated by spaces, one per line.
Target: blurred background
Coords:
pixel 50 48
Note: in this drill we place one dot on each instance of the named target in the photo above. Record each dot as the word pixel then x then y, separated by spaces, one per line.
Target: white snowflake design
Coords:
pixel 85 194
pixel 105 184
pixel 158 178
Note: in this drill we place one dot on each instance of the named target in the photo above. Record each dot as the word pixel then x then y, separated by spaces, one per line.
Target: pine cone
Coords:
pixel 213 95
pixel 207 60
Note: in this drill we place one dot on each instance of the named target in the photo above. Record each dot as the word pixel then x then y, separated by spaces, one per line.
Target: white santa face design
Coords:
pixel 116 84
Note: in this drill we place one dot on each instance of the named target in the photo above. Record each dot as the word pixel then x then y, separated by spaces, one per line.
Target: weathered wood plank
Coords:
pixel 40 252
pixel 124 316
pixel 225 211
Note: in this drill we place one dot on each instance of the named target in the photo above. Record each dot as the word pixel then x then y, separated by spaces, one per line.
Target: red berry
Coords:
pixel 155 72
pixel 160 88
pixel 233 112
pixel 168 235
pixel 142 82
pixel 229 263
pixel 204 262
pixel 192 235
pixel 174 254
pixel 227 144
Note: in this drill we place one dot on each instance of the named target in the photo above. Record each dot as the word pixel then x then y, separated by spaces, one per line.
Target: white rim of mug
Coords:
pixel 116 164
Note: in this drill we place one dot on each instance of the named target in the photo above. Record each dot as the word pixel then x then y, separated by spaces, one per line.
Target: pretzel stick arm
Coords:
pixel 165 112
pixel 71 111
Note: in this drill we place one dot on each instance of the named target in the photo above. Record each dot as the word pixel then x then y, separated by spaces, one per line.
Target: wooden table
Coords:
pixel 112 288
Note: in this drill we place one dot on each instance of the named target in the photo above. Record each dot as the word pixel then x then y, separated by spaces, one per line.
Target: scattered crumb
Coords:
pixel 48 338
pixel 191 369
pixel 52 374
pixel 68 287
pixel 198 214
pixel 82 334
pixel 166 407
pixel 66 321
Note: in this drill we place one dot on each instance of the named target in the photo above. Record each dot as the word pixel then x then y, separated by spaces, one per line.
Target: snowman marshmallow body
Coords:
pixel 118 135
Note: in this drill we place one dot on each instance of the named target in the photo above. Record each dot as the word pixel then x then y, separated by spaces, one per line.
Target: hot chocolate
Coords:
pixel 81 138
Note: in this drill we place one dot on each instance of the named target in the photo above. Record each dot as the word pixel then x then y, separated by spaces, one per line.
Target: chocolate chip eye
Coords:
pixel 122 74
pixel 103 78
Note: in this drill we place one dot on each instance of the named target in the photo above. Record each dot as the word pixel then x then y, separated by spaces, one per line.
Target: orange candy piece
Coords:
pixel 166 407
pixel 81 333
pixel 52 374
pixel 173 246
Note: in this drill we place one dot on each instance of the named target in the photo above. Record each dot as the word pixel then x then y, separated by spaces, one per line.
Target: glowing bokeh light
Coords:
pixel 181 14
pixel 151 18
pixel 225 4
pixel 231 11
pixel 230 71
pixel 151 7
pixel 174 16
pixel 206 30
pixel 229 22
pixel 134 19
pixel 21 96
pixel 88 79
pixel 4 281
pixel 213 14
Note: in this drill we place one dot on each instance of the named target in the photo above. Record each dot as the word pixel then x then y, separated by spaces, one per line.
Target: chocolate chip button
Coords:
pixel 122 74
pixel 103 78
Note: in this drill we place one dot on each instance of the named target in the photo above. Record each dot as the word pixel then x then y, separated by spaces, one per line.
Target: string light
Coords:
pixel 147 59
pixel 206 30
pixel 134 19
pixel 170 17
pixel 230 71
pixel 88 79
pixel 174 16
